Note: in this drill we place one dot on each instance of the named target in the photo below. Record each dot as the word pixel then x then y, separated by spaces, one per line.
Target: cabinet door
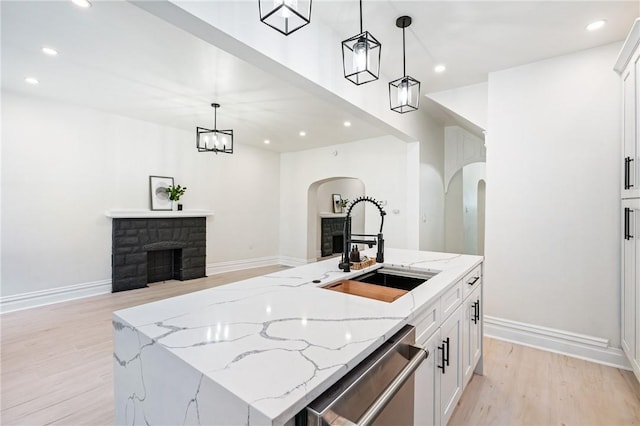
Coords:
pixel 426 407
pixel 629 304
pixel 471 334
pixel 630 93
pixel 475 337
pixel 450 366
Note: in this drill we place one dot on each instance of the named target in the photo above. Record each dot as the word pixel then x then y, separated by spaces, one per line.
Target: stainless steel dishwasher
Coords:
pixel 378 391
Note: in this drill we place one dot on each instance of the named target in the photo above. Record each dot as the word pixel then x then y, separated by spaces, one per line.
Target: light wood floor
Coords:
pixel 56 368
pixel 525 386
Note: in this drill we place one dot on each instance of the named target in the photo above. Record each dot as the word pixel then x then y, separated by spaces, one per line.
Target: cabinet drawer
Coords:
pixel 450 300
pixel 472 280
pixel 427 321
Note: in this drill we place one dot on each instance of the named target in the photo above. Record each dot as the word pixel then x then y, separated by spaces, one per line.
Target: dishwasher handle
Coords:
pixel 387 395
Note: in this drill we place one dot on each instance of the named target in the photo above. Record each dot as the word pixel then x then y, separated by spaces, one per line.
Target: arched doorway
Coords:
pixel 320 205
pixel 465 210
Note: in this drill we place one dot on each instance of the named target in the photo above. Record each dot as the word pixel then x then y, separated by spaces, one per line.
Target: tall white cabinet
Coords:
pixel 628 66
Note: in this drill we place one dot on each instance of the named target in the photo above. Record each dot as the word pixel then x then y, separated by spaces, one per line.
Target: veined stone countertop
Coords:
pixel 258 351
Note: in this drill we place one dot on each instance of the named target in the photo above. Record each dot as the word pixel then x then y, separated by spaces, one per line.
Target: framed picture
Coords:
pixel 337 203
pixel 158 192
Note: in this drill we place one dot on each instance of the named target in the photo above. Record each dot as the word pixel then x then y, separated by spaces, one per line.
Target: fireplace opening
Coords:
pixel 337 243
pixel 163 265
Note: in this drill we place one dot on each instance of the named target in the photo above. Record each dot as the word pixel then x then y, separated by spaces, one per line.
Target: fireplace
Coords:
pixel 163 265
pixel 332 235
pixel 148 250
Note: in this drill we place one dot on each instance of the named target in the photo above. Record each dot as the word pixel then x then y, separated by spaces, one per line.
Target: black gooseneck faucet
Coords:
pixel 347 235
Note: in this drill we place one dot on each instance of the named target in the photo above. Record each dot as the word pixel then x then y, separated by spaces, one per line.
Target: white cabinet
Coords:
pixel 628 65
pixel 471 334
pixel 631 151
pixel 450 356
pixel 630 291
pixel 451 331
pixel 426 407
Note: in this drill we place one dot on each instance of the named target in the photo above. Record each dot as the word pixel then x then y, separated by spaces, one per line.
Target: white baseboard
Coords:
pixel 237 265
pixel 33 299
pixel 294 261
pixel 576 345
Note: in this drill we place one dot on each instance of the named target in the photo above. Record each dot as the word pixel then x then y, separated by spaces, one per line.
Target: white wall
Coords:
pixel 431 191
pixel 472 174
pixel 380 163
pixel 469 102
pixel 454 218
pixel 64 166
pixel 460 148
pixel 552 250
pixel 348 188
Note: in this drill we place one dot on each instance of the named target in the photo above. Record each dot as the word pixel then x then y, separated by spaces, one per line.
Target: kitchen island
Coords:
pixel 259 350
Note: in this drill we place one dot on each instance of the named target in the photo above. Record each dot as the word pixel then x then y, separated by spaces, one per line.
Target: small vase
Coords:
pixel 174 206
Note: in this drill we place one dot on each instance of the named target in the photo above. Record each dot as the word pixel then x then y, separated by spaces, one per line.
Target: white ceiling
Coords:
pixel 118 58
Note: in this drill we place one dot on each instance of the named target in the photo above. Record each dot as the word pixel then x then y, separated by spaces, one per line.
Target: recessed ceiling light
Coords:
pixel 267 141
pixel 302 133
pixel 347 124
pixel 31 80
pixel 49 51
pixel 82 3
pixel 596 25
pixel 440 68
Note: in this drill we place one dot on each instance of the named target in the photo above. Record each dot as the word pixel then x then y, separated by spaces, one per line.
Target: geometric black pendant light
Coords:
pixel 404 93
pixel 361 56
pixel 215 140
pixel 285 16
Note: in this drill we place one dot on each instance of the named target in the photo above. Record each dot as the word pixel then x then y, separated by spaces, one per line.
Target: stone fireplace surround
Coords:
pixel 331 231
pixel 134 237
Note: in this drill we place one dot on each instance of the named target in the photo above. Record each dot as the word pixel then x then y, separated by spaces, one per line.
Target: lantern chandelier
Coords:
pixel 285 16
pixel 215 140
pixel 404 93
pixel 361 56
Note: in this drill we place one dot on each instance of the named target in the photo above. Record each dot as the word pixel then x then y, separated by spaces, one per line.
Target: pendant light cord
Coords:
pixel 215 118
pixel 404 56
pixel 360 16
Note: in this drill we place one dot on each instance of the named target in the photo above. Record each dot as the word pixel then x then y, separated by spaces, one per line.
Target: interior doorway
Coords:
pixel 465 205
pixel 320 205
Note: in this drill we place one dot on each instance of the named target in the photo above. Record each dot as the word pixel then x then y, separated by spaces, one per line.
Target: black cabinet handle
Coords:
pixel 475 312
pixel 627 220
pixel 474 280
pixel 442 367
pixel 627 173
pixel 447 343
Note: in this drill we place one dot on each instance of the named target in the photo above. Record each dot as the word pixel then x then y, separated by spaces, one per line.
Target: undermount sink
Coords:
pixel 384 284
pixel 401 279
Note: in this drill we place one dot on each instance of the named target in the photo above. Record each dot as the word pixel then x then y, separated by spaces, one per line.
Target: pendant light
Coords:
pixel 404 93
pixel 215 140
pixel 361 56
pixel 285 16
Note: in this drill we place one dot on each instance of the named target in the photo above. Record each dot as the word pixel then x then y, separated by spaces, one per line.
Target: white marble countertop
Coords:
pixel 278 341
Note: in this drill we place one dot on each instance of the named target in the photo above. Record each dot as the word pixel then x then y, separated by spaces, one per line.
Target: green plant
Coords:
pixel 344 202
pixel 175 192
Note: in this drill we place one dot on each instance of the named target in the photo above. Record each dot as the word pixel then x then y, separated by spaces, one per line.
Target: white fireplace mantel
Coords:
pixel 330 215
pixel 135 214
